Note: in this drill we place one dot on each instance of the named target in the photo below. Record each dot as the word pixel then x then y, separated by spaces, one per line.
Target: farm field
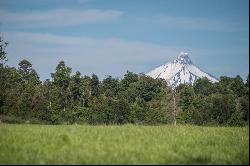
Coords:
pixel 126 144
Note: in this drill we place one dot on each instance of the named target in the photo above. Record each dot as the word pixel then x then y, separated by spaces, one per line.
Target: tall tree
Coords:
pixel 128 79
pixel 77 89
pixel 109 86
pixel 237 86
pixel 222 107
pixel 86 81
pixel 3 73
pixel 187 96
pixel 61 80
pixel 247 81
pixel 28 74
pixel 247 86
pixel 94 84
pixel 3 54
pixel 203 86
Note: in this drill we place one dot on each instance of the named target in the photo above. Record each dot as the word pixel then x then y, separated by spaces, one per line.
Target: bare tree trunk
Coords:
pixel 82 102
pixel 174 113
pixel 172 94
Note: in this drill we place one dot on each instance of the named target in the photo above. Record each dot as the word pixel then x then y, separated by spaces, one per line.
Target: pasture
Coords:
pixel 125 144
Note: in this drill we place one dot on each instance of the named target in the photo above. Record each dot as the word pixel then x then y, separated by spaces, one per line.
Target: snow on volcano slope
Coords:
pixel 181 70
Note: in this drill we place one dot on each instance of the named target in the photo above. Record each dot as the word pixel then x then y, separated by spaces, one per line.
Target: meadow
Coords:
pixel 125 144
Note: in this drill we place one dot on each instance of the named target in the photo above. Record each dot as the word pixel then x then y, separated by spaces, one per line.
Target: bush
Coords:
pixel 11 119
pixel 236 119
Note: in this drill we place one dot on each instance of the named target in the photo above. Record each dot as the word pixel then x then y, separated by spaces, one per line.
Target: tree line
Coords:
pixel 69 98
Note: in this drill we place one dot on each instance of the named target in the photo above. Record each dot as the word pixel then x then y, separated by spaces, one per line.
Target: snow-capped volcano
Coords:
pixel 181 70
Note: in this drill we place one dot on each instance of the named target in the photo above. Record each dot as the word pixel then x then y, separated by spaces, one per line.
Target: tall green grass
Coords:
pixel 127 144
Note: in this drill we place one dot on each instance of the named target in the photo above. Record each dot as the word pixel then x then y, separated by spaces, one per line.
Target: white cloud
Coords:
pixel 101 56
pixel 57 17
pixel 110 56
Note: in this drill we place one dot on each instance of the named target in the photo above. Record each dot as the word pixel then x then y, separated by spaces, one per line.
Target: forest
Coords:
pixel 69 98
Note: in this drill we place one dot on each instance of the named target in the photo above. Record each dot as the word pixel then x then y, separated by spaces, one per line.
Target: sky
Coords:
pixel 109 37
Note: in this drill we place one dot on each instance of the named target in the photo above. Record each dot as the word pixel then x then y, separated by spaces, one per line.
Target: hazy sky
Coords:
pixel 108 37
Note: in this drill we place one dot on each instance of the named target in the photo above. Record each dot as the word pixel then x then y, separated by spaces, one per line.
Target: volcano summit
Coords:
pixel 180 71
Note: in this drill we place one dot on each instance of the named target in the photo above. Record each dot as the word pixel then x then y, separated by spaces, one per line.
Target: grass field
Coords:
pixel 128 144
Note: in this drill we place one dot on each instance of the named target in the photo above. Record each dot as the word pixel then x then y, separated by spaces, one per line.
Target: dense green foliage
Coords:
pixel 136 98
pixel 126 144
pixel 225 102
